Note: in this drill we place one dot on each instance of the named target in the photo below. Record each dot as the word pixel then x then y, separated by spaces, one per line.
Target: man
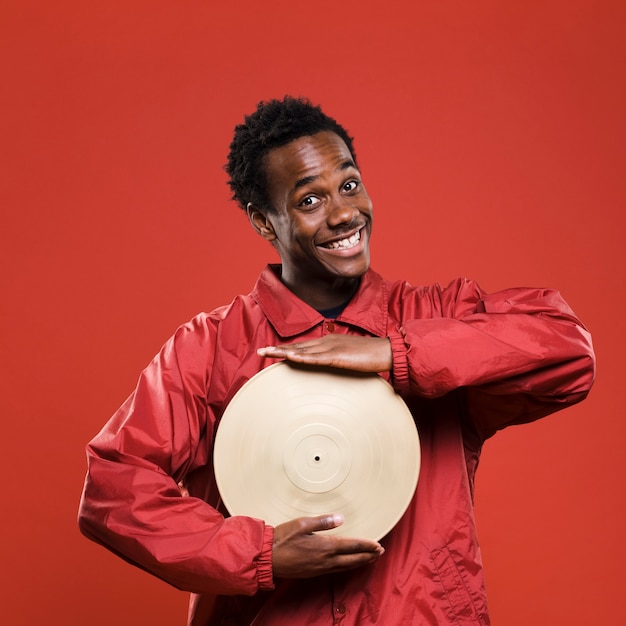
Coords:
pixel 466 362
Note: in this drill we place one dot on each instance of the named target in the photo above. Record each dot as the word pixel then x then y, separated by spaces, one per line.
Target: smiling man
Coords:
pixel 467 363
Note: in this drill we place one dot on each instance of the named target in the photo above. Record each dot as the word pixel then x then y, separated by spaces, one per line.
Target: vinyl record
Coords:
pixel 297 441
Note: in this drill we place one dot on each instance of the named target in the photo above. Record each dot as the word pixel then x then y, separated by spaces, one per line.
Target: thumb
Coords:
pixel 326 522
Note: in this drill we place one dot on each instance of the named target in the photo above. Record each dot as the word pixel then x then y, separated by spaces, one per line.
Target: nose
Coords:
pixel 341 211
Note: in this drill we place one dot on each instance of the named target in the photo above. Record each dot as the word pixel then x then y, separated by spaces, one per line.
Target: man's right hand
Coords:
pixel 299 553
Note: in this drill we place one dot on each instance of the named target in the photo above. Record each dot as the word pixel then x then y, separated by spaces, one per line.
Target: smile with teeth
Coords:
pixel 344 244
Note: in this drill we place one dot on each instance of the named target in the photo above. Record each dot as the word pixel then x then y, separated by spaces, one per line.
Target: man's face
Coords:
pixel 322 217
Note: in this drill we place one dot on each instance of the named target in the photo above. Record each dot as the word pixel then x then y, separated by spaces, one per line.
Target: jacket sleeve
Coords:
pixel 516 355
pixel 131 501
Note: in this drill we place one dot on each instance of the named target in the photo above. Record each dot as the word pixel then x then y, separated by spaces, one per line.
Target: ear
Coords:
pixel 260 222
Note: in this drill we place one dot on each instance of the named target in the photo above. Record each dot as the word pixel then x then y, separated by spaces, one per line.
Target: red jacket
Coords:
pixel 467 363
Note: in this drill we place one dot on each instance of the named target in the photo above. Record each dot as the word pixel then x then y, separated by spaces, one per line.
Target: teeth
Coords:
pixel 350 242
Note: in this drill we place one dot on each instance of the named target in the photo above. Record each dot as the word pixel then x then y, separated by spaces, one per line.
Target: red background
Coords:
pixel 491 138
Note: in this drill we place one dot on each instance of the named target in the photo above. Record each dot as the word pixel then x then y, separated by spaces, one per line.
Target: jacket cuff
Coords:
pixel 264 574
pixel 400 371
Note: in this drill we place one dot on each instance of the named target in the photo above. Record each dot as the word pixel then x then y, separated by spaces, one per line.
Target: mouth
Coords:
pixel 344 244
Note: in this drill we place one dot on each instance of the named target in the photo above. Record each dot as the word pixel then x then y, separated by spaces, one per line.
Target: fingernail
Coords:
pixel 338 519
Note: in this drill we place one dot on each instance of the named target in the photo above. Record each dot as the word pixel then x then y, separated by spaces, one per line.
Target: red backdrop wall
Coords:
pixel 491 137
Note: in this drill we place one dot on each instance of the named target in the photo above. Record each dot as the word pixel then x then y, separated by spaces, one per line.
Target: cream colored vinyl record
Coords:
pixel 297 441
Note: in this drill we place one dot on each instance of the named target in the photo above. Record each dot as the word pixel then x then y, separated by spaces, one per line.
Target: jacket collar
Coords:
pixel 291 316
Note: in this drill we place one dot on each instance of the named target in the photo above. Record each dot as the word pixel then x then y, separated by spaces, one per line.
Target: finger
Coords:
pixel 344 563
pixel 321 522
pixel 287 348
pixel 342 545
pixel 327 522
pixel 296 355
pixel 350 546
pixel 275 352
pixel 268 351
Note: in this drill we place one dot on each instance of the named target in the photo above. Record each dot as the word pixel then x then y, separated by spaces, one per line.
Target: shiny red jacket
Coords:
pixel 466 362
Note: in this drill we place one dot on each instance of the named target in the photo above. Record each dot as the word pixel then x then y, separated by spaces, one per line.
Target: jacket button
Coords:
pixel 341 608
pixel 330 327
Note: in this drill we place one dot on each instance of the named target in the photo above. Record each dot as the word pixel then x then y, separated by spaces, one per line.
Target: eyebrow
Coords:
pixel 309 179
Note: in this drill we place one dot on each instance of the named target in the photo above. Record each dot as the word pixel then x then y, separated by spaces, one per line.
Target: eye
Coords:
pixel 350 186
pixel 310 201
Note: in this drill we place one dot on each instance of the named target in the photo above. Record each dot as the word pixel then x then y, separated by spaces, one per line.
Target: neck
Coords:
pixel 323 294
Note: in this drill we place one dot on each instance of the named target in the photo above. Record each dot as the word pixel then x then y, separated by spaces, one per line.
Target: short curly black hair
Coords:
pixel 273 124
